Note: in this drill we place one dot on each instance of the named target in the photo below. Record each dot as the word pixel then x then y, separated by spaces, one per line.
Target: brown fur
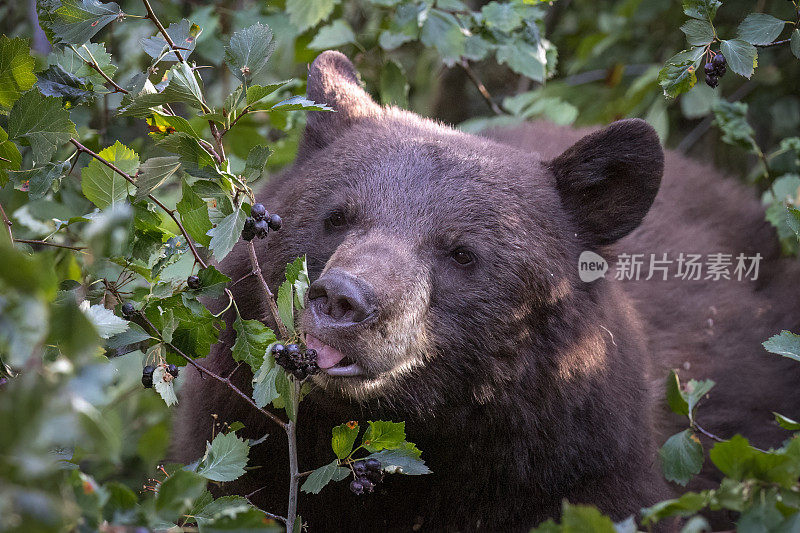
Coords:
pixel 524 385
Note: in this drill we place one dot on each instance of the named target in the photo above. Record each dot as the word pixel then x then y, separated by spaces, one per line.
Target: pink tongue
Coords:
pixel 327 356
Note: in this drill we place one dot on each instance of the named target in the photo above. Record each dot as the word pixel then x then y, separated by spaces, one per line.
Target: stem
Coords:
pixel 294 475
pixel 268 293
pixel 481 88
pixel 170 212
pixel 217 377
pixel 774 43
pixel 93 63
pixel 56 245
pixel 7 223
pixel 716 438
pixel 152 16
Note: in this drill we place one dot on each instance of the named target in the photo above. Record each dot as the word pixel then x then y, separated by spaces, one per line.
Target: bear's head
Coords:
pixel 444 265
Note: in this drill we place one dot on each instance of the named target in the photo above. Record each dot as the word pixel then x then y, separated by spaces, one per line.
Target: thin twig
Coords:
pixel 56 245
pixel 170 212
pixel 270 515
pixel 482 88
pixel 268 293
pixel 774 43
pixel 225 381
pixel 7 223
pixel 294 480
pixel 716 438
pixel 152 16
pixel 96 66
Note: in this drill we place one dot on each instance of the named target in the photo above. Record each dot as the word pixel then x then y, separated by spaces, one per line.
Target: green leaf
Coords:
pixel 786 423
pixel 730 456
pixel 681 457
pixel 698 32
pixel 679 73
pixel 193 156
pixel 103 186
pixel 502 17
pixel 55 81
pixel 286 305
pixel 394 85
pixel 248 52
pixel 43 122
pixel 77 21
pixel 164 388
pixel 16 69
pixel 442 31
pixel 256 163
pixel 225 458
pixel 105 321
pixel 184 34
pixel 384 435
pixel 687 505
pixel 257 92
pixel 695 390
pixel 75 62
pixel 177 494
pixel 389 40
pixel 701 9
pixel 212 282
pixel 675 398
pixel 284 387
pixel 403 460
pixel 153 173
pixel 264 388
pixel 226 234
pixel 794 44
pixel 297 275
pixel 792 219
pixel 304 15
pixel 760 28
pixel 741 56
pixel 323 475
pixel 170 325
pixel 183 86
pixel 343 439
pixel 524 58
pixel 12 159
pixel 133 335
pixel 731 118
pixel 194 215
pixel 252 340
pixel 296 103
pixel 336 34
pixel 579 518
pixel 786 344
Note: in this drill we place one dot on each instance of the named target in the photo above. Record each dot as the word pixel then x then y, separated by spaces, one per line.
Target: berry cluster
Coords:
pixel 299 363
pixel 259 223
pixel 367 474
pixel 147 374
pixel 715 69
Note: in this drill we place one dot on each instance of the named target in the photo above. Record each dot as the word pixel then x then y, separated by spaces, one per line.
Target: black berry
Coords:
pixel 147 376
pixel 712 81
pixel 293 350
pixel 719 61
pixel 258 211
pixel 357 487
pixel 193 282
pixel 128 309
pixel 261 228
pixel 173 370
pixel 275 222
pixel 249 230
pixel 359 468
pixel 366 483
pixel 709 69
pixel 278 348
pixel 373 464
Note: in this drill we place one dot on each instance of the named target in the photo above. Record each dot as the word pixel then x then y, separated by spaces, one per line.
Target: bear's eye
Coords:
pixel 462 257
pixel 335 220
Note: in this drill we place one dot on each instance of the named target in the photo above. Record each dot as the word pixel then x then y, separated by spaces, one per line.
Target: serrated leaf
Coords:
pixel 681 457
pixel 785 343
pixel 794 44
pixel 731 118
pixel 323 475
pixel 389 40
pixel 248 51
pixel 133 335
pixel 194 215
pixel 192 155
pixel 184 34
pixel 43 122
pixel 164 388
pixel 384 435
pixel 793 220
pixel 75 62
pixel 741 56
pixel 687 505
pixel 297 275
pixel 679 73
pixel 77 21
pixel 170 325
pixel 284 386
pixel 182 86
pixel 256 162
pixel 226 234
pixel 675 398
pixel 576 518
pixel 16 69
pixel 252 340
pixel 296 103
pixel 698 32
pixel 501 16
pixel 701 9
pixel 55 81
pixel 286 305
pixel 154 172
pixel 11 158
pixel 337 33
pixel 403 460
pixel 309 13
pixel 225 458
pixel 177 493
pixel 343 438
pixel 103 186
pixel 212 282
pixel 394 85
pixel 760 28
pixel 787 423
pixel 105 321
pixel 257 92
pixel 264 388
pixel 524 58
pixel 695 390
pixel 442 32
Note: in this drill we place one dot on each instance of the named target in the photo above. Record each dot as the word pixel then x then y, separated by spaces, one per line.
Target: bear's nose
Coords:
pixel 342 299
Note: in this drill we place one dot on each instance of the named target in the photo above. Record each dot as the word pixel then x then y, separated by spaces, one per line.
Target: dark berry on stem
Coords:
pixel 173 370
pixel 712 81
pixel 149 369
pixel 275 222
pixel 258 211
pixel 147 380
pixel 356 487
pixel 278 348
pixel 367 484
pixel 293 350
pixel 261 228
pixel 249 224
pixel 719 61
pixel 128 309
pixel 710 69
pixel 373 464
pixel 193 282
pixel 360 468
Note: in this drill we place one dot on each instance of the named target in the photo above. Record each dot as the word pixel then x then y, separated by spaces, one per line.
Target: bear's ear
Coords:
pixel 332 80
pixel 609 179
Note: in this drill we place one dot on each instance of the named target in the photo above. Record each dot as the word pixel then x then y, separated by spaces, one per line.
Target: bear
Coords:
pixel 446 293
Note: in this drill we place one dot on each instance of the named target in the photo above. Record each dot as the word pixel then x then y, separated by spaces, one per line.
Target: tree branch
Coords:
pixel 268 293
pixel 482 89
pixel 170 212
pixel 7 223
pixel 152 16
pixel 774 43
pixel 93 63
pixel 56 245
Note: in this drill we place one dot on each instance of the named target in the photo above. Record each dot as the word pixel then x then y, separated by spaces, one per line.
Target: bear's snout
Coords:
pixel 339 300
